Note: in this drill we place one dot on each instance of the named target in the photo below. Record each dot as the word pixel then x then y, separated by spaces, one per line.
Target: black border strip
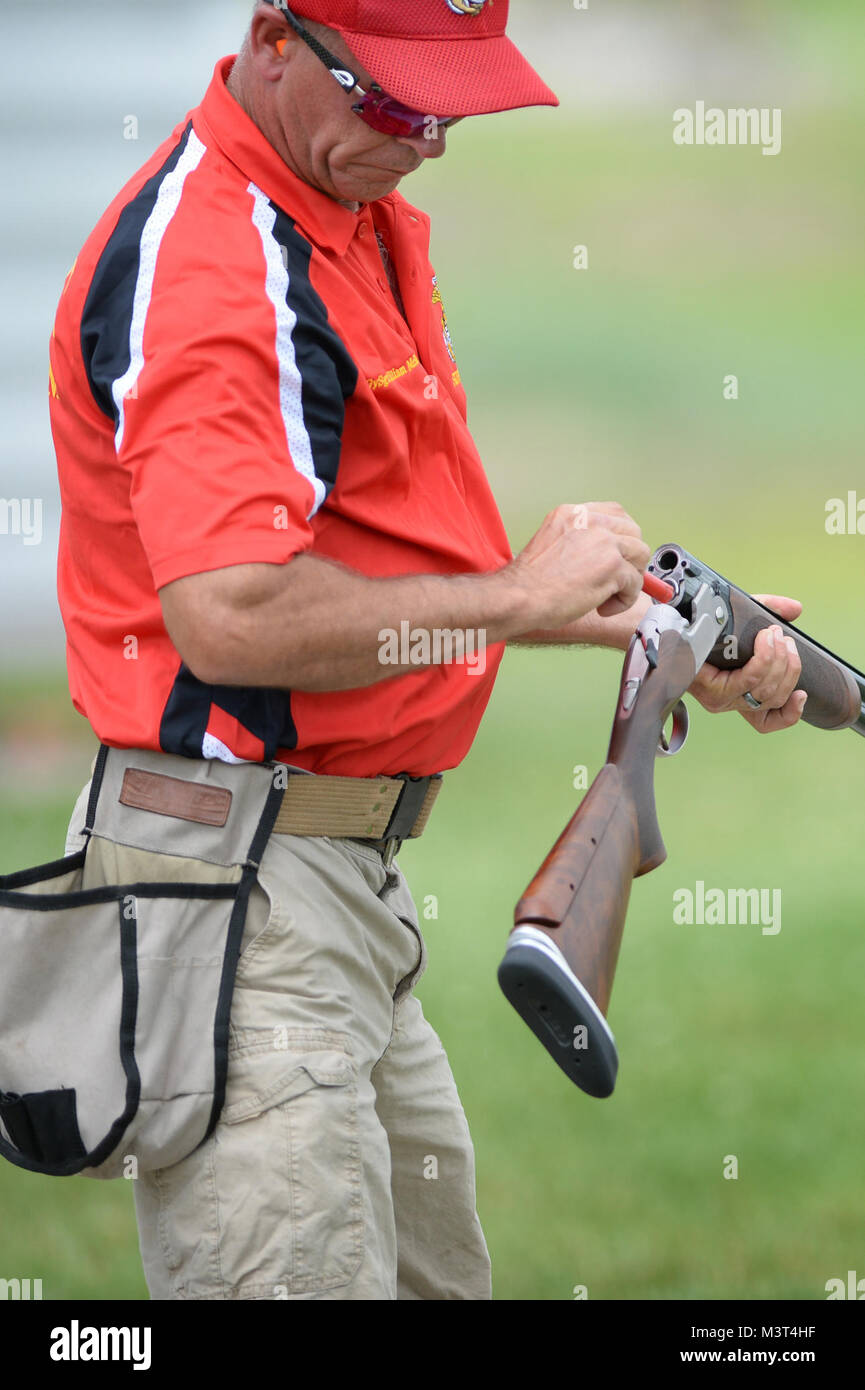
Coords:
pixel 43 872
pixel 95 789
pixel 232 951
pixel 88 897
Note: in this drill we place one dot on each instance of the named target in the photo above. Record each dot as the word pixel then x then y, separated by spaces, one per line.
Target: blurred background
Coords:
pixel 605 382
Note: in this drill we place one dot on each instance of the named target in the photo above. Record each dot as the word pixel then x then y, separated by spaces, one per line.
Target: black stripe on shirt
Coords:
pixel 107 318
pixel 265 713
pixel 327 370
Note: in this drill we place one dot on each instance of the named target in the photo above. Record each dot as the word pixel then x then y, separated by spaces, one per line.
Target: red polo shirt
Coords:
pixel 232 381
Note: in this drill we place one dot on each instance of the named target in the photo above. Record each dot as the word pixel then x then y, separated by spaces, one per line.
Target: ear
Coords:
pixel 272 42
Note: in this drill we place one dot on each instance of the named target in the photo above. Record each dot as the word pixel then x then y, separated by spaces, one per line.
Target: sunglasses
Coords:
pixel 383 113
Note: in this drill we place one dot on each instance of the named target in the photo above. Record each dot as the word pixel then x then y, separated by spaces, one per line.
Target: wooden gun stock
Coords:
pixel 561 960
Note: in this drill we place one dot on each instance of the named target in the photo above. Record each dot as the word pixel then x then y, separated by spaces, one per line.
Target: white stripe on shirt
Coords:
pixel 167 203
pixel 290 380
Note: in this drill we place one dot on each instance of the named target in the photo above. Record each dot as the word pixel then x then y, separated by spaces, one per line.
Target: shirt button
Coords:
pixel 362 229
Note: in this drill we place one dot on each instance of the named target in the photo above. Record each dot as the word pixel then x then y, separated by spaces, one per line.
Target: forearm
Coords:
pixel 313 625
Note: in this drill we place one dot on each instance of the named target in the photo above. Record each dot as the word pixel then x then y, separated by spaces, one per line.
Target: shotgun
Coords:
pixel 561 957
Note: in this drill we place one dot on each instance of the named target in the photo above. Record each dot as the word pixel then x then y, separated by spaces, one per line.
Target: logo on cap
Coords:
pixel 466 6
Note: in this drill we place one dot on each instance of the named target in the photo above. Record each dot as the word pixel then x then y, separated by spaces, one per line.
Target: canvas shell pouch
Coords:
pixel 117 967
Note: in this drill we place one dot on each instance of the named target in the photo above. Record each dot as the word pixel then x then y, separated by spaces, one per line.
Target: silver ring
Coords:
pixel 749 700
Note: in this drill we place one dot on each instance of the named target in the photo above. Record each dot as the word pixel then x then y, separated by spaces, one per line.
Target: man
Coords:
pixel 265 468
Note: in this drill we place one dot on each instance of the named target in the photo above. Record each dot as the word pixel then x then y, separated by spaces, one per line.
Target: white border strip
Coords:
pixel 290 380
pixel 539 941
pixel 167 203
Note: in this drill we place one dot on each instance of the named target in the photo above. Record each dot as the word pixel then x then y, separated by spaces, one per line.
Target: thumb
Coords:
pixel 788 608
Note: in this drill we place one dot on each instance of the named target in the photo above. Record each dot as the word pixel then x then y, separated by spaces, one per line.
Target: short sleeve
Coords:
pixel 211 352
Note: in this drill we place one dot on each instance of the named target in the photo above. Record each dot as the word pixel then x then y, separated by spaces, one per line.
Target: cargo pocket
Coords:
pixel 287 1163
pixel 267 918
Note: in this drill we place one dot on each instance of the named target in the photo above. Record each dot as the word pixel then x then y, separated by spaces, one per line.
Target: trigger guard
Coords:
pixel 681 728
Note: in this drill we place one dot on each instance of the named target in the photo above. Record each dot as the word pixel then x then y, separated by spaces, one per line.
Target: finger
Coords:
pixel 618 522
pixel 767 663
pixel 710 688
pixel 609 514
pixel 608 508
pixel 784 676
pixel 628 579
pixel 613 606
pixel 794 670
pixel 758 677
pixel 770 676
pixel 768 672
pixel 582 515
pixel 775 680
pixel 787 608
pixel 773 720
pixel 719 690
pixel 636 552
pixel 732 685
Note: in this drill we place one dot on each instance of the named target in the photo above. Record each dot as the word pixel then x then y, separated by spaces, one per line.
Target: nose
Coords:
pixel 430 143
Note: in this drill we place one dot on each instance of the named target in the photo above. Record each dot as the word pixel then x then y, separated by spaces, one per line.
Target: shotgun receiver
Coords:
pixel 560 962
pixel 836 690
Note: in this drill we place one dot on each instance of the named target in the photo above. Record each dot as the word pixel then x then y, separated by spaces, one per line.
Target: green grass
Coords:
pixel 731 1042
pixel 598 384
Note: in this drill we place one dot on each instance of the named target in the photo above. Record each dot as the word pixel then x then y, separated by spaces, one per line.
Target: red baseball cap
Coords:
pixel 448 57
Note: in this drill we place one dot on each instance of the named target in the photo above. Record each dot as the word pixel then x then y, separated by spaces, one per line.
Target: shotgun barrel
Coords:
pixel 835 689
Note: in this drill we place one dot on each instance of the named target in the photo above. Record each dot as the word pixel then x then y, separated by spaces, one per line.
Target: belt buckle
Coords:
pixel 391 849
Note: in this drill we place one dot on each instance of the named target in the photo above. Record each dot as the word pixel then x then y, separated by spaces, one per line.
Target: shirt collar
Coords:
pixel 222 122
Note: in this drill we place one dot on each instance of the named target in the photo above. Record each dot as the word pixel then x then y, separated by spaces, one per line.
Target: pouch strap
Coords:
pixel 95 789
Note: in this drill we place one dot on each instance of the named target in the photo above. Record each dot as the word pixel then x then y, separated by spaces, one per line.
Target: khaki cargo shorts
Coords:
pixel 341 1166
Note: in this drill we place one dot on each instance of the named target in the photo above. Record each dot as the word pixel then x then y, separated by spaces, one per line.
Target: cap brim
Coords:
pixel 452 78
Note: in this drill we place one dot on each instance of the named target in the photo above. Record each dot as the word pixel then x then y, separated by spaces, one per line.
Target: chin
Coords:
pixel 367 189
pixel 379 189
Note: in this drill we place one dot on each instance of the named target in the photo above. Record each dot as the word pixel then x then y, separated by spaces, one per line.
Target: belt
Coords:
pixel 381 811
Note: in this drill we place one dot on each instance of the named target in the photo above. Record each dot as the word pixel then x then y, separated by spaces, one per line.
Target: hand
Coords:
pixel 771 676
pixel 584 558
